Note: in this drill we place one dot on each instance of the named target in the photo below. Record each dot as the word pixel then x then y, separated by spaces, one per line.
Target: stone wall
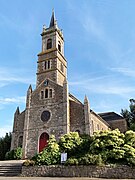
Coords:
pixel 118 172
pixel 77 119
pixel 98 123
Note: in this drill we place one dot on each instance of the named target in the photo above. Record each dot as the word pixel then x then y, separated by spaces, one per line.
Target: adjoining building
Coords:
pixel 50 108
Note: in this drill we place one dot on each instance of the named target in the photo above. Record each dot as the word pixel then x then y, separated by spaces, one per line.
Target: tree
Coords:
pixel 129 115
pixel 5 143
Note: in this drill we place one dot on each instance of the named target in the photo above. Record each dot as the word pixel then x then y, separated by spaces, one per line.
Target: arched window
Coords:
pixel 50 93
pixel 20 141
pixel 47 65
pixel 59 46
pixel 49 43
pixel 46 93
pixel 42 94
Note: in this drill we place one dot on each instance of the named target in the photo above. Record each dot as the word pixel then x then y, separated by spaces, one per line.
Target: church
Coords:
pixel 50 108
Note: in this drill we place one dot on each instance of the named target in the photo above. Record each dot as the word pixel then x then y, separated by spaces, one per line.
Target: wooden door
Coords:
pixel 43 141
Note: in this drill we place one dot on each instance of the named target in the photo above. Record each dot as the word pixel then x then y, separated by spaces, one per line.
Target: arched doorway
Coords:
pixel 43 141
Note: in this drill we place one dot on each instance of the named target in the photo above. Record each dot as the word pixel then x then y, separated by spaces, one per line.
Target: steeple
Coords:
pixel 51 61
pixel 53 20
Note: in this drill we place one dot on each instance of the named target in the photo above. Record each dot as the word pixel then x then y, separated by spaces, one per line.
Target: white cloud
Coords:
pixel 125 71
pixel 108 84
pixel 13 100
pixel 8 76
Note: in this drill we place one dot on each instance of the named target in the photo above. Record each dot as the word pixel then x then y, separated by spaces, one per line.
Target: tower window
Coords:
pixel 59 46
pixel 46 93
pixel 42 94
pixel 49 43
pixel 50 93
pixel 47 65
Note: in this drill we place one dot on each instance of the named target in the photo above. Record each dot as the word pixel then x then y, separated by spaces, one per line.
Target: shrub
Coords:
pixel 9 155
pixel 72 161
pixel 29 163
pixel 70 143
pixel 91 159
pixel 14 154
pixel 50 155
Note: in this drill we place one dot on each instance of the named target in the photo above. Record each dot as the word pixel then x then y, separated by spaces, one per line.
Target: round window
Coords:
pixel 45 116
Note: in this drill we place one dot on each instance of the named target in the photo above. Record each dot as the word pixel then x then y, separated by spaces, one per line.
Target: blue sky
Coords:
pixel 99 47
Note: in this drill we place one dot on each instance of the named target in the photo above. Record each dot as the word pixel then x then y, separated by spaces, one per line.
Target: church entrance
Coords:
pixel 43 141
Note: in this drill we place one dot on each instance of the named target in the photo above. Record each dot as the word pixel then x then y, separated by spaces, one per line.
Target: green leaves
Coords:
pixel 50 155
pixel 70 143
pixel 129 115
pixel 14 154
pixel 104 147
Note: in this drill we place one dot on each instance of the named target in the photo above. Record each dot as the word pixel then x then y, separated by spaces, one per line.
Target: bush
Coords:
pixel 72 161
pixel 29 163
pixel 9 155
pixel 91 159
pixel 70 143
pixel 104 147
pixel 50 155
pixel 14 154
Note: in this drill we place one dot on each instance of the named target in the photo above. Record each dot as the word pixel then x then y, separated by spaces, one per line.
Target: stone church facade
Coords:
pixel 50 108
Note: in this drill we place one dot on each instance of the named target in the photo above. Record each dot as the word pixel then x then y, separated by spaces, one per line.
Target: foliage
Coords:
pixel 14 154
pixel 50 155
pixel 129 115
pixel 5 143
pixel 72 161
pixel 70 143
pixel 91 159
pixel 104 147
pixel 29 162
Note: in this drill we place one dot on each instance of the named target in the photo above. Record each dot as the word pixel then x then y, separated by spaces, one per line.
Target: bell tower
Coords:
pixel 51 61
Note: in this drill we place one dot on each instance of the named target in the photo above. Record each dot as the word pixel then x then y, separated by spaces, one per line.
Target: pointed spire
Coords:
pixel 86 99
pixel 17 112
pixel 30 88
pixel 53 20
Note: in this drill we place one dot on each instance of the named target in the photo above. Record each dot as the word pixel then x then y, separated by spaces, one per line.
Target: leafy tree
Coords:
pixel 5 143
pixel 129 115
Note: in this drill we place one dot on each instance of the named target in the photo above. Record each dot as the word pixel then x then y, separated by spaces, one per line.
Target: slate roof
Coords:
pixel 110 116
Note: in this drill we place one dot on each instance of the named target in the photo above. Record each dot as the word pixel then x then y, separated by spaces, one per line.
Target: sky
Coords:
pixel 99 47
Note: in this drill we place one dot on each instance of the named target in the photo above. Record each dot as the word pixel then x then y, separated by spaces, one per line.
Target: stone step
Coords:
pixel 10 170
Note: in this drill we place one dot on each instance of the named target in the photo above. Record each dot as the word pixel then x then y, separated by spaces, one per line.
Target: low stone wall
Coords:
pixel 118 172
